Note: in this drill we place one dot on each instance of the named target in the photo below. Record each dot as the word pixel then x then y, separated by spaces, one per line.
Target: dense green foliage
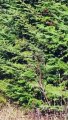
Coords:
pixel 33 49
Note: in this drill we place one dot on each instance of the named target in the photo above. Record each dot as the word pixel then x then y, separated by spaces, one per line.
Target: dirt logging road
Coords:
pixel 10 112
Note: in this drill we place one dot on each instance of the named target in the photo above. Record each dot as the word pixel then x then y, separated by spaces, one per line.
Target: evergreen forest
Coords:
pixel 34 53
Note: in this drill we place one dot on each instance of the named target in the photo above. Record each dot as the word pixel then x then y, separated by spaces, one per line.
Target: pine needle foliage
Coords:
pixel 34 38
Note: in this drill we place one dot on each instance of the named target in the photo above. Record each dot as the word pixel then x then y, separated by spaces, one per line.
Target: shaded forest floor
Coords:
pixel 10 112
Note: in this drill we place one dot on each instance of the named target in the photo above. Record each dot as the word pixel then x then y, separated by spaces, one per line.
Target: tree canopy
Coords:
pixel 34 51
